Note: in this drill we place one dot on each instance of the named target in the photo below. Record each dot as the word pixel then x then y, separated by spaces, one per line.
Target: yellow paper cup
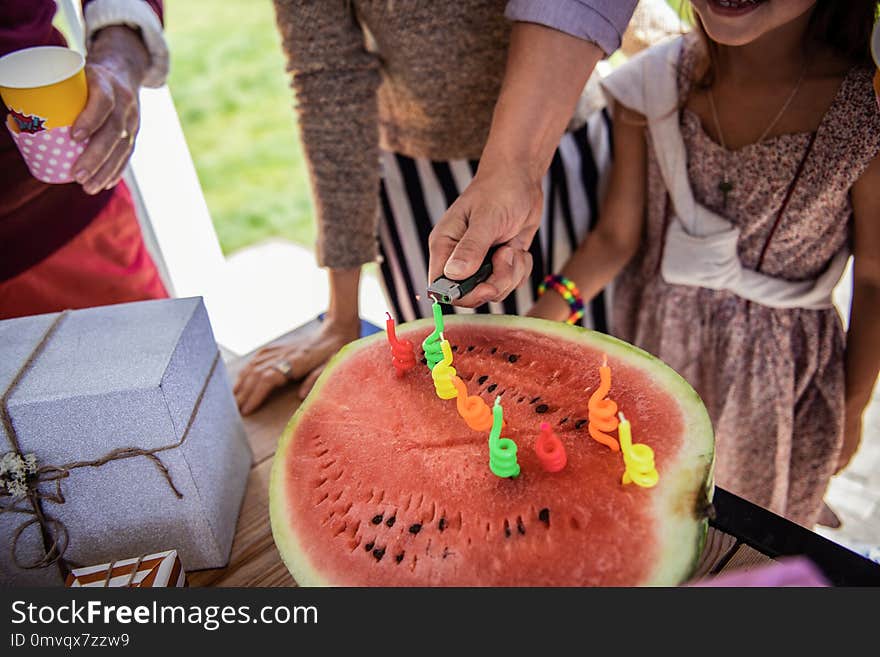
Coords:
pixel 45 90
pixel 43 87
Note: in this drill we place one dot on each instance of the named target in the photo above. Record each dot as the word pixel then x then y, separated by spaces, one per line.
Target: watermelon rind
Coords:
pixel 683 500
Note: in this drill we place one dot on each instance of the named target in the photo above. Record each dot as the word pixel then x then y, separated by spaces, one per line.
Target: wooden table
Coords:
pixel 741 536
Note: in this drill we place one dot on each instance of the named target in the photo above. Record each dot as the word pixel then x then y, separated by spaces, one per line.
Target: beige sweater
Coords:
pixel 414 77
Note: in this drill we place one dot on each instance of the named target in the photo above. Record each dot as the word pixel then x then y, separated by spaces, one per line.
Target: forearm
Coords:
pixel 344 287
pixel 862 346
pixel 546 73
pixel 595 264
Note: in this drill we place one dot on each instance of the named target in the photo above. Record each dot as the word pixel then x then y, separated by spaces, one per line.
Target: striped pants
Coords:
pixel 415 193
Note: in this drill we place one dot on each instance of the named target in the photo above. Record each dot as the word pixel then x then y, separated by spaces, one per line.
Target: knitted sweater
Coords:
pixel 415 77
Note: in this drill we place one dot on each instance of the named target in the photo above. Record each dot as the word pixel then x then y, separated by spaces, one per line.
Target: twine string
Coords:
pixel 54 533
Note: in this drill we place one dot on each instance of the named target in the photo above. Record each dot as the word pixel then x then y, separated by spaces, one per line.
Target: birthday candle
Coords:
pixel 403 356
pixel 602 412
pixel 443 372
pixel 638 459
pixel 550 450
pixel 502 451
pixel 473 410
pixel 431 345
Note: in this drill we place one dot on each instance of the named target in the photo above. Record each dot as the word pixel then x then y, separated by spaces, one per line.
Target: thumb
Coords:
pixel 470 251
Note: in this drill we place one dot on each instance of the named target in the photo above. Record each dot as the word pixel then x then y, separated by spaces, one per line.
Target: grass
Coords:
pixel 232 95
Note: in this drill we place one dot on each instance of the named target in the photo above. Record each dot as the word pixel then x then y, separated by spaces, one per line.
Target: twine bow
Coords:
pixel 21 476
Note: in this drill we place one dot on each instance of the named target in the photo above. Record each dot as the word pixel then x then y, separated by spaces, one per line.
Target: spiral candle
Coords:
pixel 403 356
pixel 443 372
pixel 502 451
pixel 638 459
pixel 550 450
pixel 473 410
pixel 602 412
pixel 431 344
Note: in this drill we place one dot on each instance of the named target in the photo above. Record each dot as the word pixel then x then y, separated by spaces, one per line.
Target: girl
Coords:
pixel 733 214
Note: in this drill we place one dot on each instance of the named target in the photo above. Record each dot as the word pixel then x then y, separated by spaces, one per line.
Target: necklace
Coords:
pixel 725 186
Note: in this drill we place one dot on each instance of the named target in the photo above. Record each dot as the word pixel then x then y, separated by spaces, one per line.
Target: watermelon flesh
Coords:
pixel 377 481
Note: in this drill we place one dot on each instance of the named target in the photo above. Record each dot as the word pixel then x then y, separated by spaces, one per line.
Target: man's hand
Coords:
pixel 508 208
pixel 546 72
pixel 115 67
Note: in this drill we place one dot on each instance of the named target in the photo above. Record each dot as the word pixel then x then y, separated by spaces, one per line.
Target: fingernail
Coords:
pixel 79 135
pixel 81 176
pixel 455 268
pixel 508 257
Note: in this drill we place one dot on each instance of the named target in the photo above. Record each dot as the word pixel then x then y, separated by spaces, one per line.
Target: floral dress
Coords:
pixel 772 379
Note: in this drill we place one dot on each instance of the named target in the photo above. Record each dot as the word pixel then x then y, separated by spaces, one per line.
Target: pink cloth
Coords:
pixel 794 571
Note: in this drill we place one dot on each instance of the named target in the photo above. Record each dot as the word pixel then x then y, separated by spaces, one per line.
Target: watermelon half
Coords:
pixel 378 482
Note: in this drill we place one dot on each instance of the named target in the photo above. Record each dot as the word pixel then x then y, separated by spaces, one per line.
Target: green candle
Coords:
pixel 431 345
pixel 502 451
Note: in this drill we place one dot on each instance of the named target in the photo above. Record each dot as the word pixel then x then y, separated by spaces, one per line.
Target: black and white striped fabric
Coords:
pixel 416 192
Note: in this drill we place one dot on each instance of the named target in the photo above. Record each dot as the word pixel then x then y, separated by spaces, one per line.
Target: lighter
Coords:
pixel 445 290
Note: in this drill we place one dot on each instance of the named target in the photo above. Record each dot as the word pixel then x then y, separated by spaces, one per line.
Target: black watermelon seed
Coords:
pixel 442 524
pixel 506 530
pixel 416 528
pixel 520 527
pixel 492 387
pixel 399 557
pixel 512 358
pixel 563 420
pixel 377 519
pixel 579 424
pixel 520 400
pixel 541 408
pixel 379 553
pixel 455 348
pixel 483 379
pixel 390 521
pixel 534 400
pixel 544 516
pixel 494 349
pixel 368 546
pixel 470 347
pixel 424 361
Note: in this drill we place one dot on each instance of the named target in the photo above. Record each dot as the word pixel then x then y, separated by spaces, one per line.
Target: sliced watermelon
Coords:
pixel 377 481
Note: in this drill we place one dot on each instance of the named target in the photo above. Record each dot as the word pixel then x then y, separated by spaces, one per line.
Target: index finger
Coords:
pixel 98 107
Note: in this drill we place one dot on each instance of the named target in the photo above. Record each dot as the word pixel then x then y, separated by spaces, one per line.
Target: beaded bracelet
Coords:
pixel 568 290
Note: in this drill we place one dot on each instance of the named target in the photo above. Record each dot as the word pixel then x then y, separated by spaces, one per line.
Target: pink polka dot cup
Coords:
pixel 49 154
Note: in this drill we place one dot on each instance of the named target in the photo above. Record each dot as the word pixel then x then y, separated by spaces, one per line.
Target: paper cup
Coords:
pixel 45 90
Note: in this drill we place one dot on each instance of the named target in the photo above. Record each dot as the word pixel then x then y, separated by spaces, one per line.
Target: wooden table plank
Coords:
pixel 718 546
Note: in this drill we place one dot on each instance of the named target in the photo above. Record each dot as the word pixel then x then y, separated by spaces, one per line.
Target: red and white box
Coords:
pixel 160 570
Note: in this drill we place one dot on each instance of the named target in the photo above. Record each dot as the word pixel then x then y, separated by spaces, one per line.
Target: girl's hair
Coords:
pixel 843 25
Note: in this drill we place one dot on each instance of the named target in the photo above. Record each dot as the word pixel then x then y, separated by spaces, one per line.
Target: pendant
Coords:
pixel 725 187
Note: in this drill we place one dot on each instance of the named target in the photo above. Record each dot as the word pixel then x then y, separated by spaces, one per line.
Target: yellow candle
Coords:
pixel 443 373
pixel 638 459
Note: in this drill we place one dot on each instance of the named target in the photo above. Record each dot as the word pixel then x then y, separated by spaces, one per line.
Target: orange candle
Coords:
pixel 473 410
pixel 603 412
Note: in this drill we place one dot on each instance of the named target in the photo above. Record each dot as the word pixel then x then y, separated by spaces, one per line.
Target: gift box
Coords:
pixel 160 570
pixel 119 436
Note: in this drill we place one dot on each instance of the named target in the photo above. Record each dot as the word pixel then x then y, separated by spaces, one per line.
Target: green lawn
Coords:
pixel 232 94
